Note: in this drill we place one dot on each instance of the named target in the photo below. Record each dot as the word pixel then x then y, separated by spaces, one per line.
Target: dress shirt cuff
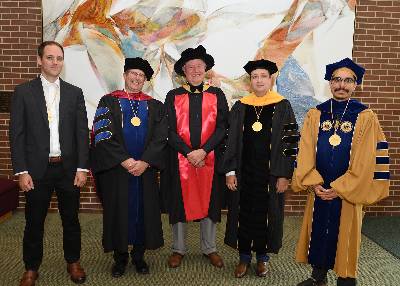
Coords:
pixel 82 170
pixel 231 173
pixel 20 173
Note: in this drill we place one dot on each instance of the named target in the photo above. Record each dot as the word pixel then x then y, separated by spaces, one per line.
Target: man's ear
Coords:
pixel 39 61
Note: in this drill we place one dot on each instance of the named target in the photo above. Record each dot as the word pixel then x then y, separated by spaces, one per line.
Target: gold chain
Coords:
pixel 134 112
pixel 258 113
pixel 336 126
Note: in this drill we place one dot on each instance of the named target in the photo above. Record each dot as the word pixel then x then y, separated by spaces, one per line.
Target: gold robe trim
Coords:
pixel 270 97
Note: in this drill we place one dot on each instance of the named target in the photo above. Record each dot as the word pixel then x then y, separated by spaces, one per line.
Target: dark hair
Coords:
pixel 41 47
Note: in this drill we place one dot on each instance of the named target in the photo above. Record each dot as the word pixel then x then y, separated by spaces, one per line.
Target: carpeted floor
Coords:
pixel 377 266
pixel 385 231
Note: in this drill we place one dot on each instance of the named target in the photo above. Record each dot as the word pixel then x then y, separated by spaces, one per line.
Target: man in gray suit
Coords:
pixel 49 151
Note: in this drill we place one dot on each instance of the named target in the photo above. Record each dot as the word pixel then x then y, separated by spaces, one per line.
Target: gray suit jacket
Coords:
pixel 30 133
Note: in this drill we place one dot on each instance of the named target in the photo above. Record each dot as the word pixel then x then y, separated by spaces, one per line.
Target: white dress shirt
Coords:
pixel 51 92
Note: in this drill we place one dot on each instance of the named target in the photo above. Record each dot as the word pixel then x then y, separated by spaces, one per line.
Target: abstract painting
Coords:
pixel 301 36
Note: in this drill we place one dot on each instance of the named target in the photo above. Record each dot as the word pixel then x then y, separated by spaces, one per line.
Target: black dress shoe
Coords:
pixel 312 282
pixel 118 270
pixel 141 266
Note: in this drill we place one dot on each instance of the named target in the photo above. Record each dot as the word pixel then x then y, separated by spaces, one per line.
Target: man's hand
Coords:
pixel 128 164
pixel 330 194
pixel 196 157
pixel 138 168
pixel 25 182
pixel 319 191
pixel 201 164
pixel 80 179
pixel 231 182
pixel 325 194
pixel 282 185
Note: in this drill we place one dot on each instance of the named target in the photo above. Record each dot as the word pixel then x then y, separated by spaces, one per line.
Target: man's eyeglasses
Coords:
pixel 136 74
pixel 347 80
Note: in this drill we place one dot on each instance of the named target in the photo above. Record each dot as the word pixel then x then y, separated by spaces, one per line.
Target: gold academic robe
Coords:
pixel 356 187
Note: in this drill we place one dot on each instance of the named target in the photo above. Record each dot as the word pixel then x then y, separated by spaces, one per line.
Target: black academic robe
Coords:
pixel 170 177
pixel 283 146
pixel 112 179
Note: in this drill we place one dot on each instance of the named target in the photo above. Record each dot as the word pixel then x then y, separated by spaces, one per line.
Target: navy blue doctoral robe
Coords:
pixel 131 205
pixel 331 162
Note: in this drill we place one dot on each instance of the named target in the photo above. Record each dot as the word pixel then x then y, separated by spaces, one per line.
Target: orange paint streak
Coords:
pixel 178 26
pixel 276 47
pixel 91 12
pixel 107 42
pixel 130 20
pixel 277 51
pixel 74 38
pixel 149 31
pixel 279 34
pixel 65 19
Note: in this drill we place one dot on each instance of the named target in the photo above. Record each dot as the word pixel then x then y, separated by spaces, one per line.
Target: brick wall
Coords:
pixel 20 34
pixel 376 47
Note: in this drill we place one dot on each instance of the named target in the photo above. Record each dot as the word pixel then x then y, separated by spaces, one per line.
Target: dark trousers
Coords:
pixel 37 204
pixel 137 254
pixel 246 243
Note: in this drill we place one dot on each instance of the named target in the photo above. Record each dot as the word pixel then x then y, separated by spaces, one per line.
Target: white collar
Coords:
pixel 46 83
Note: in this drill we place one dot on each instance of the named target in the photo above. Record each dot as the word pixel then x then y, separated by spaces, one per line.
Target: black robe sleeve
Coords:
pixel 174 140
pixel 285 141
pixel 221 124
pixel 231 157
pixel 108 152
pixel 158 140
pixel 231 162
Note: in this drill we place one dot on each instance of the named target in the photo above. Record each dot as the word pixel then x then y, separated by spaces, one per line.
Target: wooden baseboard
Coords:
pixel 5 216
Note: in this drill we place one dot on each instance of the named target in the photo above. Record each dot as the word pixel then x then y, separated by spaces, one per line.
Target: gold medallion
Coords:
pixel 257 126
pixel 346 127
pixel 335 140
pixel 135 121
pixel 326 125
